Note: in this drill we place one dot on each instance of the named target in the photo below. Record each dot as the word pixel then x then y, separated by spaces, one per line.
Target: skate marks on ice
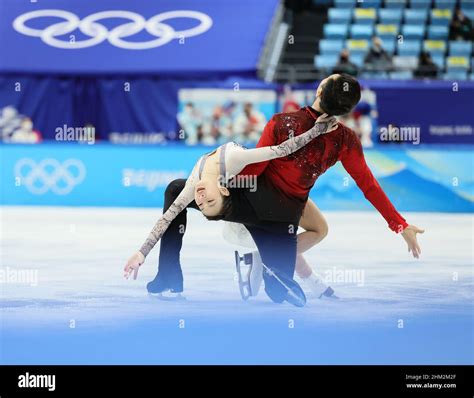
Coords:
pixel 79 253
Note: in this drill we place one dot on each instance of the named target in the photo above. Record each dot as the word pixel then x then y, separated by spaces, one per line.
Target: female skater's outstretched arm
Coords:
pixel 236 159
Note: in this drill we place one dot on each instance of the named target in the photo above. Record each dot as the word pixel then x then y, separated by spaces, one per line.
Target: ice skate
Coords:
pixel 163 289
pixel 249 283
pixel 319 289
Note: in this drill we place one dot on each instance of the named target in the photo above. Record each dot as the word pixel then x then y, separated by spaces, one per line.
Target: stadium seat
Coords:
pixel 361 31
pixel 335 31
pixel 467 4
pixel 325 61
pixel 435 46
pixel 386 32
pixel 338 15
pixel 365 16
pixel 455 75
pixel 405 62
pixel 460 48
pixel 420 4
pixel 357 59
pixel 469 14
pixel 409 48
pixel 371 3
pixel 357 46
pixel 399 4
pixel 439 60
pixel 413 32
pixel 401 75
pixel 345 3
pixel 330 46
pixel 445 4
pixel 457 63
pixel 390 16
pixel 413 17
pixel 440 17
pixel 438 32
pixel 389 45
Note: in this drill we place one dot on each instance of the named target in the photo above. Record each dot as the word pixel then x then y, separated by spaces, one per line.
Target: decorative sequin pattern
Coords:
pixel 313 159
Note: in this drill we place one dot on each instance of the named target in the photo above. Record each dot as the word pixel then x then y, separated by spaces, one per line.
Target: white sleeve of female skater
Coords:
pixel 184 199
pixel 236 160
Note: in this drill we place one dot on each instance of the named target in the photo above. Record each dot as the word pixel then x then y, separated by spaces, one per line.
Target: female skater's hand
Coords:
pixel 329 123
pixel 133 264
pixel 409 234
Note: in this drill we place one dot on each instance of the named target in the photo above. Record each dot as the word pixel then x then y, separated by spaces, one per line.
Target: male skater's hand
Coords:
pixel 327 123
pixel 409 234
pixel 133 264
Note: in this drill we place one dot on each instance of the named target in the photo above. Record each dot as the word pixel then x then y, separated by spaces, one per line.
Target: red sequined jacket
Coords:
pixel 296 174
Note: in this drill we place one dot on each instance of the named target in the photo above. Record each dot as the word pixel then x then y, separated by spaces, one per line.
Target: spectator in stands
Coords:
pixel 229 108
pixel 377 59
pixel 218 129
pixel 290 106
pixel 248 126
pixel 426 67
pixel 190 121
pixel 461 27
pixel 26 134
pixel 345 65
pixel 288 101
pixel 10 120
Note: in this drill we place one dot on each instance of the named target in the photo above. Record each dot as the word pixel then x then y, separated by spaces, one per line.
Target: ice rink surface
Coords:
pixel 80 310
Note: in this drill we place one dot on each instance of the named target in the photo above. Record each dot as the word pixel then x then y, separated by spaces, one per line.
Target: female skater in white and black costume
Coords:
pixel 206 186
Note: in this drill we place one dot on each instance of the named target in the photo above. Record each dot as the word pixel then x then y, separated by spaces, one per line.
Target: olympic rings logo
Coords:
pixel 49 174
pixel 155 26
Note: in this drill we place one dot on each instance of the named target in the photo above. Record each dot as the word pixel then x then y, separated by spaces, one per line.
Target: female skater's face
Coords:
pixel 209 197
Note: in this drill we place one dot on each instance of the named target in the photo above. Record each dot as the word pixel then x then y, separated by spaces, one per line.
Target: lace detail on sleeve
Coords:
pixel 238 158
pixel 294 143
pixel 181 202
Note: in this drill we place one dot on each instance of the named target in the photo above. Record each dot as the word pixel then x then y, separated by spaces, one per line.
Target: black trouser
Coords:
pixel 276 243
pixel 278 252
pixel 169 266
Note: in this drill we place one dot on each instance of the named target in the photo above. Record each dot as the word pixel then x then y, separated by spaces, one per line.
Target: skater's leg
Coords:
pixel 316 229
pixel 278 252
pixel 315 226
pixel 169 269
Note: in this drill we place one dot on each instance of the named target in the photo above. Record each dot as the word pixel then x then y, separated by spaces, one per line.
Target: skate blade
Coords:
pixel 244 287
pixel 167 296
pixel 295 298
